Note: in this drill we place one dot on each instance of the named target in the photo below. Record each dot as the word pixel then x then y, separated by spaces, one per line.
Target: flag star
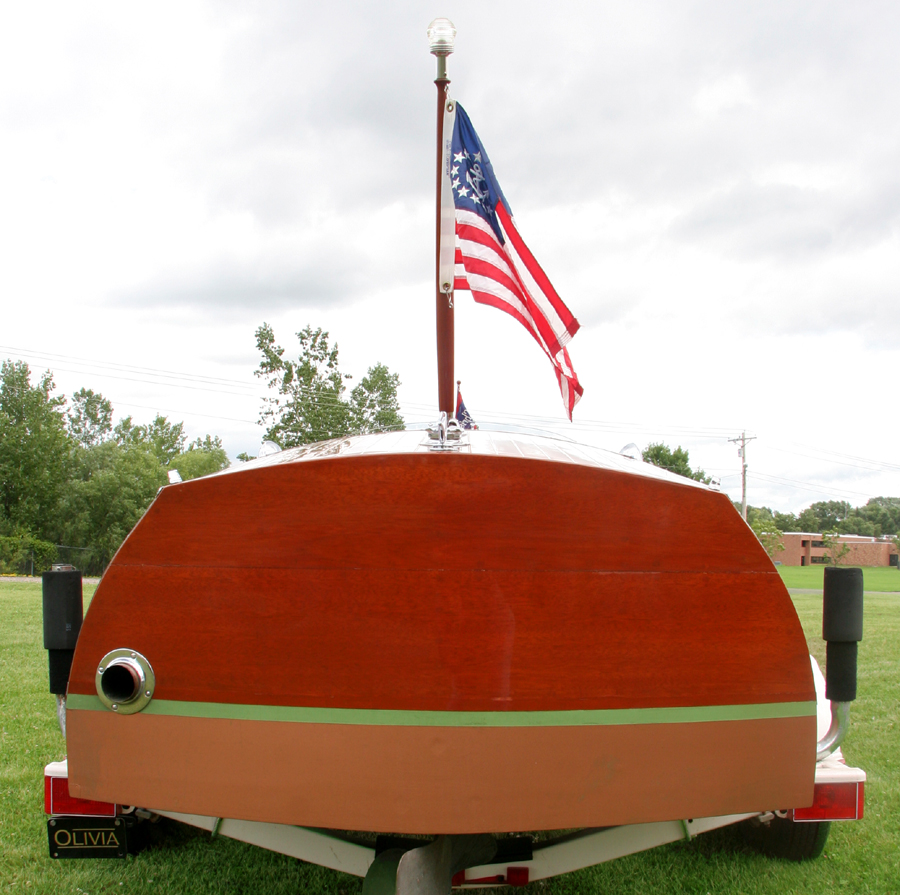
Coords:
pixel 464 191
pixel 454 170
pixel 456 182
pixel 458 156
pixel 476 199
pixel 477 156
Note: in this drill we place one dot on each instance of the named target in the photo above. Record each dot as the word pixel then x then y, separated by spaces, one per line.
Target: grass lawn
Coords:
pixel 879 579
pixel 860 857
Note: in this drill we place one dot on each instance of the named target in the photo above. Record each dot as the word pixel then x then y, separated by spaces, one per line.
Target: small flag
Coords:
pixel 490 258
pixel 463 417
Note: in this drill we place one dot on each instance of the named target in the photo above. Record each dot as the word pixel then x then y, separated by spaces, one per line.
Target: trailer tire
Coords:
pixel 782 838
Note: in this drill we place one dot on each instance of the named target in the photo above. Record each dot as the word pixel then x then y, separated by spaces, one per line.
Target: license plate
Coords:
pixel 87 837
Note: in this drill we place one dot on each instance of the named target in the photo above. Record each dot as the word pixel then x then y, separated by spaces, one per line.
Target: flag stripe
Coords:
pixel 485 255
pixel 488 298
pixel 544 286
pixel 542 311
pixel 477 266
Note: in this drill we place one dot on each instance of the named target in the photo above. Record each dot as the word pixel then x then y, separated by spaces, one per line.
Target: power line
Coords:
pixel 808 486
pixel 210 416
pixel 227 386
pixel 197 382
pixel 873 465
pixel 90 362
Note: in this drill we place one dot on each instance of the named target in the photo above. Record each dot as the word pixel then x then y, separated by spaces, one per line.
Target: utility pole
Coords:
pixel 742 453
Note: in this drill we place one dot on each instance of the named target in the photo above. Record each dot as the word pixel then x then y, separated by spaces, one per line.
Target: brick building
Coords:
pixel 805 548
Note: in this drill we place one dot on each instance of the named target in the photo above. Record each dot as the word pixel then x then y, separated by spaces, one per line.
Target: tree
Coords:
pixel 855 524
pixel 808 520
pixel 34 453
pixel 309 404
pixel 763 515
pixel 112 486
pixel 203 457
pixel 768 535
pixel 786 522
pixel 836 549
pixel 89 421
pixel 165 439
pixel 884 512
pixel 831 513
pixel 880 516
pixel 824 515
pixel 373 403
pixel 677 461
pixel 69 477
pixel 25 553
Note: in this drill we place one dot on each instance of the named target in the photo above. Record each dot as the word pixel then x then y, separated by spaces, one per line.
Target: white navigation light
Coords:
pixel 441 34
pixel 268 448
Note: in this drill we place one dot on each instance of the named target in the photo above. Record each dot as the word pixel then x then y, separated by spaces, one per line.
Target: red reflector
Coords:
pixel 517 876
pixel 834 801
pixel 58 801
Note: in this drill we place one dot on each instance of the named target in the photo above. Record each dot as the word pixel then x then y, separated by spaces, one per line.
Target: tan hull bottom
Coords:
pixel 440 779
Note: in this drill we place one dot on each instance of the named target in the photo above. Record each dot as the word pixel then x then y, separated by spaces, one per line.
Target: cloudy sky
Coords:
pixel 713 188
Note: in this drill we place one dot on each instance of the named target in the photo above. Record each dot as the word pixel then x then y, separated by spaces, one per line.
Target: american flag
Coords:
pixel 491 260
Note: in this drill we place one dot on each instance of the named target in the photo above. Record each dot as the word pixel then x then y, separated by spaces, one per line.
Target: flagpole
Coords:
pixel 441 34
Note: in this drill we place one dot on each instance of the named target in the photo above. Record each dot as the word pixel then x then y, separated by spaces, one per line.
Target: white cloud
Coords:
pixel 723 95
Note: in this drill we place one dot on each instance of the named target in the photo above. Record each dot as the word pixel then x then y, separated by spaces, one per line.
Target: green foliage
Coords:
pixel 111 488
pixel 831 513
pixel 25 554
pixel 373 403
pixel 786 522
pixel 70 478
pixel 165 439
pixel 203 457
pixel 116 476
pixel 767 534
pixel 89 420
pixel 880 516
pixel 835 550
pixel 762 515
pixel 34 452
pixel 309 404
pixel 677 461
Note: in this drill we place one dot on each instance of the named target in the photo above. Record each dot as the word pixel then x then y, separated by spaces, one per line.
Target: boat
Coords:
pixel 375 633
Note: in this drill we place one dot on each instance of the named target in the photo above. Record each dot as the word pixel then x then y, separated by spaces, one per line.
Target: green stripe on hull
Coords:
pixel 395 718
